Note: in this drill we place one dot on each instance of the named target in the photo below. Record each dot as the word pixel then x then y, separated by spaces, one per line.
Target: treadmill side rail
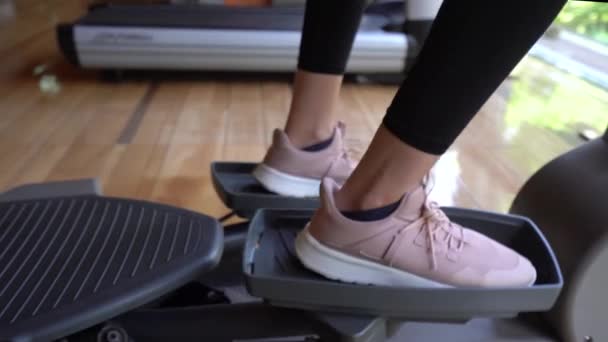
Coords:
pixel 213 49
pixel 67 43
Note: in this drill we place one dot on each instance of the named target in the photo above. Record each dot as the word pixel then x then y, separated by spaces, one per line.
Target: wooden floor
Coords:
pixel 185 125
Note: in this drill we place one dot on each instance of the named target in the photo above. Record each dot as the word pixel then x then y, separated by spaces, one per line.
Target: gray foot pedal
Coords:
pixel 240 191
pixel 68 263
pixel 77 187
pixel 273 272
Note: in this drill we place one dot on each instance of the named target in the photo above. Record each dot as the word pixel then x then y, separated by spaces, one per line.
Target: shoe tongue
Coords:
pixel 412 205
pixel 413 208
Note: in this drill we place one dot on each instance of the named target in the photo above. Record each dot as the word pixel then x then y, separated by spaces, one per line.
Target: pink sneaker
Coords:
pixel 416 246
pixel 289 171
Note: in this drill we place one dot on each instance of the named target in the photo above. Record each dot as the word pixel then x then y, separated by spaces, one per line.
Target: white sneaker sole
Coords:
pixel 340 266
pixel 285 184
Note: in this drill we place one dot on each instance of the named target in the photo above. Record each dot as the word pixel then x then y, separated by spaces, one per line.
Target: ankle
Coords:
pixel 347 200
pixel 388 170
pixel 304 138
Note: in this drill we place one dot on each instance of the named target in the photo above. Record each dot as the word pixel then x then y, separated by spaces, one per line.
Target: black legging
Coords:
pixel 470 50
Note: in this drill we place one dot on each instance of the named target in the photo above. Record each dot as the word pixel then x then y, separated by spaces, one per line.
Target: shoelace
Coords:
pixel 435 220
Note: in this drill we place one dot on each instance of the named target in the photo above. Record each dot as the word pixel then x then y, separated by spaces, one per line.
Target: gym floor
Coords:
pixel 155 139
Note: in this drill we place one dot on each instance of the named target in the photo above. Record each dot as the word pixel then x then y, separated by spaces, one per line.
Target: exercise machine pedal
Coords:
pixel 274 273
pixel 242 193
pixel 70 258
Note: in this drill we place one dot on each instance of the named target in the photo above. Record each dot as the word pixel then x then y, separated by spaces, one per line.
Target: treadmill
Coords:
pixel 220 38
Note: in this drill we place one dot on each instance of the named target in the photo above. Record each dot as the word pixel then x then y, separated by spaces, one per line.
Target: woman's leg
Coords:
pixel 327 38
pixel 471 49
pixel 312 145
pixel 379 227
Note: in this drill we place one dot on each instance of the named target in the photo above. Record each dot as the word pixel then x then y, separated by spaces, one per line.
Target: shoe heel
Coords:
pixel 285 184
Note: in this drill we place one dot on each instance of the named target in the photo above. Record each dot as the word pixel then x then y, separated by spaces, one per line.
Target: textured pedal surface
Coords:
pixel 69 263
pixel 241 192
pixel 274 272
